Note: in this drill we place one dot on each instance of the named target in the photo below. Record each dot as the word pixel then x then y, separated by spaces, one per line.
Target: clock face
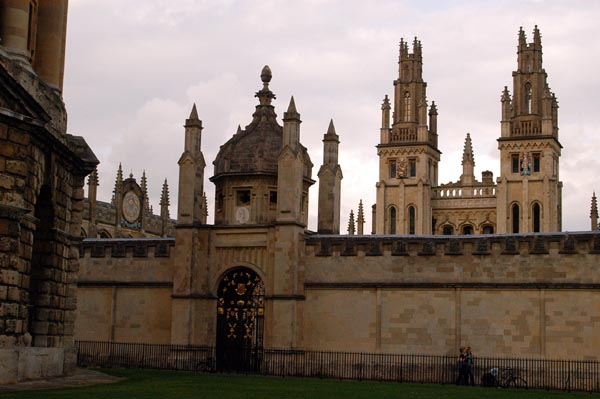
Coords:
pixel 131 207
pixel 242 214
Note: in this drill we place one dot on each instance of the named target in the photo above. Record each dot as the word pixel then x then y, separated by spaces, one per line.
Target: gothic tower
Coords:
pixel 330 182
pixel 529 190
pixel 191 174
pixel 408 152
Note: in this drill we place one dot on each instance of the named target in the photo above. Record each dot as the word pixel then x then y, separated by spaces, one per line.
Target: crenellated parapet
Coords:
pixel 441 246
pixel 126 247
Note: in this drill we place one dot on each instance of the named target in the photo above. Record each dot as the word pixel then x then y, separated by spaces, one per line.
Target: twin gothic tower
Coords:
pixel 527 195
pixel 263 173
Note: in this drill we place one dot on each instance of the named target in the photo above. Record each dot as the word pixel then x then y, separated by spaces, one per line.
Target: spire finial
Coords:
pixel 193 120
pixel 505 95
pixel 433 109
pixel 351 226
pixel 266 76
pixel 360 218
pixel 292 106
pixel 164 195
pixel 331 128
pixel 537 38
pixel 265 95
pixel 386 103
pixel 194 113
pixel 522 38
pixel 468 150
pixel 594 212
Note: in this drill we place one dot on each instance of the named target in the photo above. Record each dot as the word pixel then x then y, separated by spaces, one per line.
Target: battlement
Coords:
pixel 496 244
pixel 126 247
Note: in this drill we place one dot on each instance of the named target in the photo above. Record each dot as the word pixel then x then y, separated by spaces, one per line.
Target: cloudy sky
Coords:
pixel 134 69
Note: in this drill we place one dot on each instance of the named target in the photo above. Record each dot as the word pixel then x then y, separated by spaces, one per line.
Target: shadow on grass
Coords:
pixel 154 384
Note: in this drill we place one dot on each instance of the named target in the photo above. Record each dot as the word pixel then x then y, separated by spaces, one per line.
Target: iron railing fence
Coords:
pixel 568 375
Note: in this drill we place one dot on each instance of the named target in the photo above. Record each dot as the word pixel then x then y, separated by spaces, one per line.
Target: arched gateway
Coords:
pixel 240 320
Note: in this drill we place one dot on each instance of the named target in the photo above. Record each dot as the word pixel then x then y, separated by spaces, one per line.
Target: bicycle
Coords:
pixel 510 378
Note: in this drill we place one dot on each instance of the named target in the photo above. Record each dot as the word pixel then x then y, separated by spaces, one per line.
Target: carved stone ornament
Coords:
pixel 131 207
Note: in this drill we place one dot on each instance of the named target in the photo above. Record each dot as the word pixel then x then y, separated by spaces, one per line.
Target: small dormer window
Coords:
pixel 243 197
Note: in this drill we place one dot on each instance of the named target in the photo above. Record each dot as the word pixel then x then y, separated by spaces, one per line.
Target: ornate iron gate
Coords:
pixel 240 321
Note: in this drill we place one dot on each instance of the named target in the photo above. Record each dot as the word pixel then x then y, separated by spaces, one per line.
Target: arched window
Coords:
pixel 467 230
pixel 528 97
pixel 448 230
pixel 411 220
pixel 392 220
pixel 407 113
pixel 536 217
pixel 487 229
pixel 515 218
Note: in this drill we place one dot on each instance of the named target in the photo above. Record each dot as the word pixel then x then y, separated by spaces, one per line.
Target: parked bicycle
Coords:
pixel 506 378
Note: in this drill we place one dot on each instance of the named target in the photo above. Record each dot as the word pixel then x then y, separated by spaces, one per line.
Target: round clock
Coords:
pixel 131 207
pixel 242 215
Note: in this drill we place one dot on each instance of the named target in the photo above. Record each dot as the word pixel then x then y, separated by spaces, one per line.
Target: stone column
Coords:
pixel 49 55
pixel 15 27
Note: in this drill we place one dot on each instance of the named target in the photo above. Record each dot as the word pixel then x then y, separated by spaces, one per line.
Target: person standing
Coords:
pixel 469 366
pixel 461 367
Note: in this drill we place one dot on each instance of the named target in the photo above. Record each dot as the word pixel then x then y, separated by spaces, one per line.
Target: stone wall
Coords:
pixel 124 290
pixel 518 295
pixel 41 202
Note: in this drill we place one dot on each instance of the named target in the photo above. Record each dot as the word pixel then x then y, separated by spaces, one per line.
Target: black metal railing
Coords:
pixel 568 375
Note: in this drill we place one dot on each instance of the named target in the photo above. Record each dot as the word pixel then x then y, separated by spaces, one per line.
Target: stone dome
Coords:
pixel 255 149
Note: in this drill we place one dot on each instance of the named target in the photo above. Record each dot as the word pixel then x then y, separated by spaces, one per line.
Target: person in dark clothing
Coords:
pixel 461 367
pixel 469 366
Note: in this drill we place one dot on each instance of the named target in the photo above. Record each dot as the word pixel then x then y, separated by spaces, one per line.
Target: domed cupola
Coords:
pixel 246 166
pixel 255 149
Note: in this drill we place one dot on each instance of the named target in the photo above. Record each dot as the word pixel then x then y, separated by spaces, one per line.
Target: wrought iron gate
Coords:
pixel 240 321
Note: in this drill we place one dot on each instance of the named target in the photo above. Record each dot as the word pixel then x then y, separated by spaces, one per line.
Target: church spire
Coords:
pixel 468 163
pixel 119 180
pixel 330 182
pixel 594 212
pixel 164 208
pixel 468 151
pixel 191 172
pixel 291 126
pixel 144 187
pixel 360 218
pixel 351 227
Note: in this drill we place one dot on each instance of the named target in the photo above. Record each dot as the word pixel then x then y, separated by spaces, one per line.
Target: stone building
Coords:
pixel 258 278
pixel 526 197
pixel 129 213
pixel 42 172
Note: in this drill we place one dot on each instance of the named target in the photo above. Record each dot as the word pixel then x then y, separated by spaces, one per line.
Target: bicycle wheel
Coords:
pixel 509 382
pixel 520 383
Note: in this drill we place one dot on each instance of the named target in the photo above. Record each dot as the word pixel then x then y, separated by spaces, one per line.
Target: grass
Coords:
pixel 154 384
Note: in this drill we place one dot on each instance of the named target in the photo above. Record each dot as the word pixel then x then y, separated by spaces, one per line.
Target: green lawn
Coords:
pixel 152 384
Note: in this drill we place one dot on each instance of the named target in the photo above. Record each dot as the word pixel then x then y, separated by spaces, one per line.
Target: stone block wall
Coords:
pixel 507 295
pixel 42 170
pixel 124 290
